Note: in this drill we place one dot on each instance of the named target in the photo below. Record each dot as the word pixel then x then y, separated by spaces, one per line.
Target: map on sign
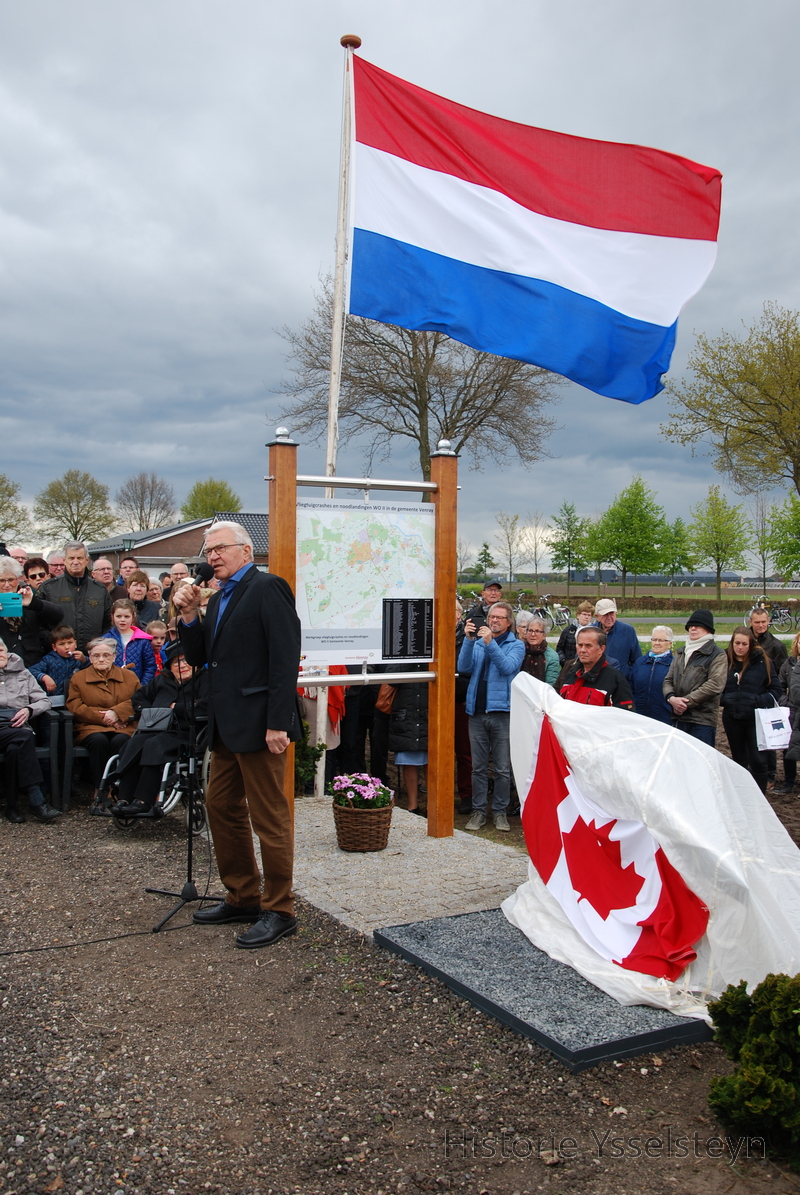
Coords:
pixel 352 558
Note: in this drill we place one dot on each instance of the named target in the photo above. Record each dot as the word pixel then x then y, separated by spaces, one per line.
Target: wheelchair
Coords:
pixel 173 791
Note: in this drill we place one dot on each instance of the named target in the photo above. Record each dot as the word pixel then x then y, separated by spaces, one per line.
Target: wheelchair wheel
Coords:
pixel 199 820
pixel 122 822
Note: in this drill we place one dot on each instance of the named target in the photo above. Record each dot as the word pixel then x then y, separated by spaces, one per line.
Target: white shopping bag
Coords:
pixel 773 729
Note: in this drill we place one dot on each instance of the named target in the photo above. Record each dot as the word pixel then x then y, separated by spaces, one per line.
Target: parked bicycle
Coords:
pixel 781 618
pixel 552 613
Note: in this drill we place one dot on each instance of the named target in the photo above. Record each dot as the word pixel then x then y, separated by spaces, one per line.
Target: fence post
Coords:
pixel 282 531
pixel 442 691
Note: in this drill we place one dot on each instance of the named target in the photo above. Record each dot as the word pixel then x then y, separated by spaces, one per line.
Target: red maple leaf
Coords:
pixel 595 868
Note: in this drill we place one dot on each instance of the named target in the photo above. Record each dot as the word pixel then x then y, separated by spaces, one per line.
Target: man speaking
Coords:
pixel 250 640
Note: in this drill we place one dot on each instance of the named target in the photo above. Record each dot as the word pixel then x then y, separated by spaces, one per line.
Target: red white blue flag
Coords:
pixel 571 254
pixel 609 875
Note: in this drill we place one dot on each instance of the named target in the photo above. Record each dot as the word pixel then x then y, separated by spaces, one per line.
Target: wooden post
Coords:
pixel 442 691
pixel 282 531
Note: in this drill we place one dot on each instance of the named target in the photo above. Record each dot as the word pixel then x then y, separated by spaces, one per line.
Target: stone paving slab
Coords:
pixel 414 879
pixel 490 962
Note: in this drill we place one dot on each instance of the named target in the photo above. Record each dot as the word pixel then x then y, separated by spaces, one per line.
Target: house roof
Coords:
pixel 141 539
pixel 256 526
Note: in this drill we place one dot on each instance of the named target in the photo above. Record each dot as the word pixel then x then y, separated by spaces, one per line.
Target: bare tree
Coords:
pixel 464 555
pixel 418 386
pixel 145 501
pixel 762 513
pixel 512 543
pixel 537 537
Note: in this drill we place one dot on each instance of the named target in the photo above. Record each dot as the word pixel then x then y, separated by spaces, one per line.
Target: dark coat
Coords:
pixel 566 643
pixel 754 689
pixel 84 604
pixel 29 636
pixel 791 672
pixel 253 660
pixel 602 677
pixel 408 723
pixel 701 681
pixel 772 648
pixel 647 680
pixel 147 747
pixel 622 645
pixel 146 611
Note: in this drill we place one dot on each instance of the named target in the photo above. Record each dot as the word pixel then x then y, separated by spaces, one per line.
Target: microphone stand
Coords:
pixel 188 894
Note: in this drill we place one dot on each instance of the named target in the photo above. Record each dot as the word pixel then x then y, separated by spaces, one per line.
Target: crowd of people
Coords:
pixel 105 646
pixel 101 646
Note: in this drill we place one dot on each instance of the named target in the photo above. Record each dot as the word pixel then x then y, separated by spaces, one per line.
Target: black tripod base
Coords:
pixel 187 896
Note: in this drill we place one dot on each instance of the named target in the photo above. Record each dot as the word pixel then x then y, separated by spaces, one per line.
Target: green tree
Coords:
pixel 145 501
pixel 206 498
pixel 75 506
pixel 484 561
pixel 631 532
pixel 719 534
pixel 15 522
pixel 744 402
pixel 676 553
pixel 784 536
pixel 420 387
pixel 595 547
pixel 568 540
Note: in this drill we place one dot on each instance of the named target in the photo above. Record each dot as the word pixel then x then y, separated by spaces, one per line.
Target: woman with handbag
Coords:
pixel 164 709
pixel 752 684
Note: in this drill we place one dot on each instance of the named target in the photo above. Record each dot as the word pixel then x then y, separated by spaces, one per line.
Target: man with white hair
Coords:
pixel 250 643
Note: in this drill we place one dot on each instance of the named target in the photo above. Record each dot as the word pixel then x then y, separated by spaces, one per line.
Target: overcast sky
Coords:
pixel 168 183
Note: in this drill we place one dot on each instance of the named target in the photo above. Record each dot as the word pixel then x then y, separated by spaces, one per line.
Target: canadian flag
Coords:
pixel 609 875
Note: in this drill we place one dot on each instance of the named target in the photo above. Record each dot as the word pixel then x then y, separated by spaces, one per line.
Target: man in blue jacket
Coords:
pixel 491 656
pixel 622 642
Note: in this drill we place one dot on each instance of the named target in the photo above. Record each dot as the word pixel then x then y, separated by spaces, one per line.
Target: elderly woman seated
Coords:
pixel 20 700
pixel 26 634
pixel 100 703
pixel 142 759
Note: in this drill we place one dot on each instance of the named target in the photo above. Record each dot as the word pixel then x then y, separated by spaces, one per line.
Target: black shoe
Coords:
pixel 513 810
pixel 269 928
pixel 419 812
pixel 13 815
pixel 45 812
pixel 465 806
pixel 223 914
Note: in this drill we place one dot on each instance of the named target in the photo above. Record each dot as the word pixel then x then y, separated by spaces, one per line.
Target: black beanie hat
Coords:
pixel 701 618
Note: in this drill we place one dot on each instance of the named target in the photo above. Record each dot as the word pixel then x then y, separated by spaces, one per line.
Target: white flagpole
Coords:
pixel 350 42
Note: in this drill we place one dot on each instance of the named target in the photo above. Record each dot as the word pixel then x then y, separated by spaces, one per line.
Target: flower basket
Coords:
pixel 362 829
pixel 362 812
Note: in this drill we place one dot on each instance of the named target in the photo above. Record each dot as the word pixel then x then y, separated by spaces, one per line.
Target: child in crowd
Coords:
pixel 157 630
pixel 134 647
pixel 55 670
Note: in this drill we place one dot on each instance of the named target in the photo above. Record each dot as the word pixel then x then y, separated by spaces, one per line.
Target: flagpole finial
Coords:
pixel 350 41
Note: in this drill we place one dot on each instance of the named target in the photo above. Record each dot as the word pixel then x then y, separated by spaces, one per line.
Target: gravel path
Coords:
pixel 156 1064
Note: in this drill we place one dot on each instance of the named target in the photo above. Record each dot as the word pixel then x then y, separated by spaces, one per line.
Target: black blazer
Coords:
pixel 253 660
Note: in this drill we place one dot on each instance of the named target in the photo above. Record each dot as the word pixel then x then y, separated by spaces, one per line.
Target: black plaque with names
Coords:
pixel 408 628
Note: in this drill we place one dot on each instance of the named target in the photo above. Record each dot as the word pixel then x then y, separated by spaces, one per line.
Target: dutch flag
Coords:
pixel 571 254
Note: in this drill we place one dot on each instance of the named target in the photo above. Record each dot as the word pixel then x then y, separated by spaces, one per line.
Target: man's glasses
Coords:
pixel 218 548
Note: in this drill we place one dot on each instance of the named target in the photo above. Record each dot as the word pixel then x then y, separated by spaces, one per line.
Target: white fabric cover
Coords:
pixel 713 824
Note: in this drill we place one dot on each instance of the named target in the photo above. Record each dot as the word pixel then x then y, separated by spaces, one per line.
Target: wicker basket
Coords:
pixel 362 829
